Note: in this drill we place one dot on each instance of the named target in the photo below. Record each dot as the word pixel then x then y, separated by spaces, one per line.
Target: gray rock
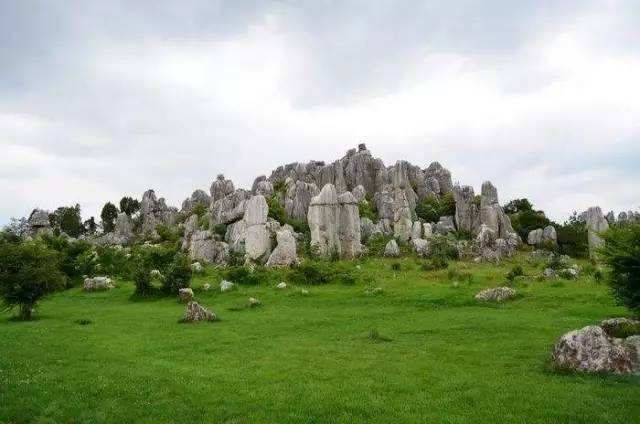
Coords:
pixel 535 237
pixel 444 226
pixel 549 273
pixel 281 286
pixel 549 235
pixel 221 188
pixel 615 327
pixel 196 313
pixel 298 199
pixel 497 294
pixel 226 286
pixel 98 284
pixel 392 250
pixel 427 230
pixel 596 224
pixel 196 267
pixel 154 212
pixel 359 193
pixel 467 214
pixel 38 222
pixel 198 197
pixel 257 242
pixel 420 246
pixel 438 173
pixel 590 349
pixel 205 248
pixel 402 216
pixel 229 208
pixel 235 236
pixel 285 252
pixel 416 230
pixel 349 227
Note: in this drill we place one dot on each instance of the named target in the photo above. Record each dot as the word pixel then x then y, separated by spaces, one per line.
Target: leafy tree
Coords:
pixel 28 271
pixel 518 205
pixel 68 220
pixel 108 215
pixel 573 237
pixel 621 252
pixel 129 205
pixel 16 229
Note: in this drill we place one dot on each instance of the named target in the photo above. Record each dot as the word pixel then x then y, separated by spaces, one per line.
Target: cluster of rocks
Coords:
pixel 154 212
pixel 497 294
pixel 599 348
pixel 38 222
pixel 543 236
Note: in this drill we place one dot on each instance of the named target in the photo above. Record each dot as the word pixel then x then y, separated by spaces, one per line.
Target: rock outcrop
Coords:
pixel 334 223
pixel 230 208
pixel 285 252
pixel 596 223
pixel 198 197
pixel 257 242
pixel 38 222
pixel 196 313
pixel 467 213
pixel 497 294
pixel 204 247
pixel 154 212
pixel 391 250
pixel 220 188
pixel 98 284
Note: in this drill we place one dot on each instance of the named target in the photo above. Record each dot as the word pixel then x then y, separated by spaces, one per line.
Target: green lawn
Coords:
pixel 309 358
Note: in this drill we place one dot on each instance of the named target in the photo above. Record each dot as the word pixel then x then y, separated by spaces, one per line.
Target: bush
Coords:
pixel 204 222
pixel 431 208
pixel 168 234
pixel 367 209
pixel 442 247
pixel 526 221
pixel 516 271
pixel 68 220
pixel 376 244
pixel 129 205
pixel 242 275
pixel 317 273
pixel 435 264
pixel 396 266
pixel 200 210
pixel 142 279
pixel 621 252
pixel 178 274
pixel 74 255
pixel 276 210
pixel 220 229
pixel 28 271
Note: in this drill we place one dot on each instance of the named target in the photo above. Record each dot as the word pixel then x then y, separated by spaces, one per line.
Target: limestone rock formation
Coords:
pixel 285 252
pixel 335 223
pixel 595 225
pixel 230 208
pixel 205 248
pixel 98 284
pixel 535 237
pixel 38 222
pixel 257 242
pixel 392 250
pixel 420 246
pixel 591 349
pixel 226 286
pixel 467 213
pixel 196 313
pixel 220 188
pixel 198 197
pixel 185 294
pixel 298 197
pixel 497 294
pixel 491 213
pixel 154 212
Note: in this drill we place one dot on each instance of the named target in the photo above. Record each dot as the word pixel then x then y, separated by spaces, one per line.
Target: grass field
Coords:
pixel 439 356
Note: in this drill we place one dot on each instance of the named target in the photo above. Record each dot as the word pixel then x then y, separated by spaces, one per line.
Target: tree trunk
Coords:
pixel 26 311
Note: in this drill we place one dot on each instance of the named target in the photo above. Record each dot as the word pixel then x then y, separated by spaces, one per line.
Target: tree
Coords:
pixel 178 274
pixel 129 205
pixel 16 229
pixel 431 208
pixel 108 215
pixel 621 252
pixel 573 237
pixel 68 220
pixel 518 205
pixel 524 218
pixel 28 271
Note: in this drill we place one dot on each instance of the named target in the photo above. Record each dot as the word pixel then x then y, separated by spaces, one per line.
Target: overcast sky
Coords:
pixel 100 99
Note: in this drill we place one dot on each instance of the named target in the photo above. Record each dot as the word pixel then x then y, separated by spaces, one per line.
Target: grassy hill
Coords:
pixel 421 350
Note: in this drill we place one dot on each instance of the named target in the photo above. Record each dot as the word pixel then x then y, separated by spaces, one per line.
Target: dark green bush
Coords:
pixel 129 205
pixel 242 275
pixel 108 215
pixel 67 219
pixel 276 210
pixel 72 253
pixel 442 247
pixel 142 279
pixel 514 272
pixel 367 209
pixel 28 271
pixel 320 272
pixel 621 253
pixel 396 266
pixel 177 274
pixel 434 264
pixel 432 207
pixel 200 210
pixel 572 238
pixel 167 233
pixel 376 244
pixel 220 229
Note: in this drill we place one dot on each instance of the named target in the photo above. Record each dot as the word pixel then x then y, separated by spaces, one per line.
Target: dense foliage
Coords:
pixel 108 215
pixel 367 209
pixel 573 237
pixel 178 274
pixel 621 252
pixel 67 219
pixel 28 271
pixel 524 218
pixel 432 207
pixel 129 205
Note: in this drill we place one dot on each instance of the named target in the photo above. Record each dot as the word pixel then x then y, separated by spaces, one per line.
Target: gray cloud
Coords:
pixel 102 99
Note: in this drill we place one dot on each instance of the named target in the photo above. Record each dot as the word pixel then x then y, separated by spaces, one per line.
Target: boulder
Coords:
pixel 298 198
pixel 427 230
pixel 196 267
pixel 535 237
pixel 226 286
pixel 402 216
pixel 420 246
pixel 621 327
pixel 98 284
pixel 154 212
pixel 416 230
pixel 253 302
pixel 185 294
pixel 590 349
pixel 285 252
pixel 195 313
pixel 392 250
pixel 440 177
pixel 497 294
pixel 349 227
pixel 198 197
pixel 491 213
pixel 281 286
pixel 38 222
pixel 229 208
pixel 444 226
pixel 203 247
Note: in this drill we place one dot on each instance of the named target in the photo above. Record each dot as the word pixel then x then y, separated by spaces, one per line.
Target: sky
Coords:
pixel 101 99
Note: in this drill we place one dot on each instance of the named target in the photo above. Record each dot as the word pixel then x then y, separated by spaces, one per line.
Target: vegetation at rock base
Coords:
pixel 108 215
pixel 621 252
pixel 433 207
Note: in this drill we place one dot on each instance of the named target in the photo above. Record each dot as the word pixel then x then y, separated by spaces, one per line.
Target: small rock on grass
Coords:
pixel 497 294
pixel 195 313
pixel 281 286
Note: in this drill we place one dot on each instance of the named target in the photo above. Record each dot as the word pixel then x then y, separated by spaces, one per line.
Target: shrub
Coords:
pixel 367 209
pixel 317 273
pixel 243 275
pixel 396 266
pixel 526 221
pixel 376 244
pixel 168 234
pixel 72 254
pixel 621 252
pixel 199 209
pixel 434 264
pixel 220 229
pixel 518 205
pixel 462 276
pixel 516 271
pixel 142 279
pixel 280 187
pixel 178 274
pixel 67 219
pixel 276 210
pixel 28 271
pixel 443 247
pixel 204 223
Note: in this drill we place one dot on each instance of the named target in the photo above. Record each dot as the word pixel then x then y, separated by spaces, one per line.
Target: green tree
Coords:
pixel 621 252
pixel 129 205
pixel 432 207
pixel 518 205
pixel 178 274
pixel 28 272
pixel 108 215
pixel 68 220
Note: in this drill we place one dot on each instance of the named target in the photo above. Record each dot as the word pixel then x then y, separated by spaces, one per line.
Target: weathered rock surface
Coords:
pixel 467 213
pixel 98 284
pixel 220 188
pixel 420 246
pixel 497 294
pixel 205 248
pixel 198 197
pixel 154 212
pixel 229 208
pixel 285 252
pixel 196 313
pixel 392 250
pixel 38 222
pixel 590 349
pixel 596 224
pixel 257 242
pixel 226 286
pixel 535 237
pixel 185 294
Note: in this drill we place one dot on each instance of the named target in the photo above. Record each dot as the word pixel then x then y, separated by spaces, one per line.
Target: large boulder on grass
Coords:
pixel 185 294
pixel 591 349
pixel 98 284
pixel 195 313
pixel 391 250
